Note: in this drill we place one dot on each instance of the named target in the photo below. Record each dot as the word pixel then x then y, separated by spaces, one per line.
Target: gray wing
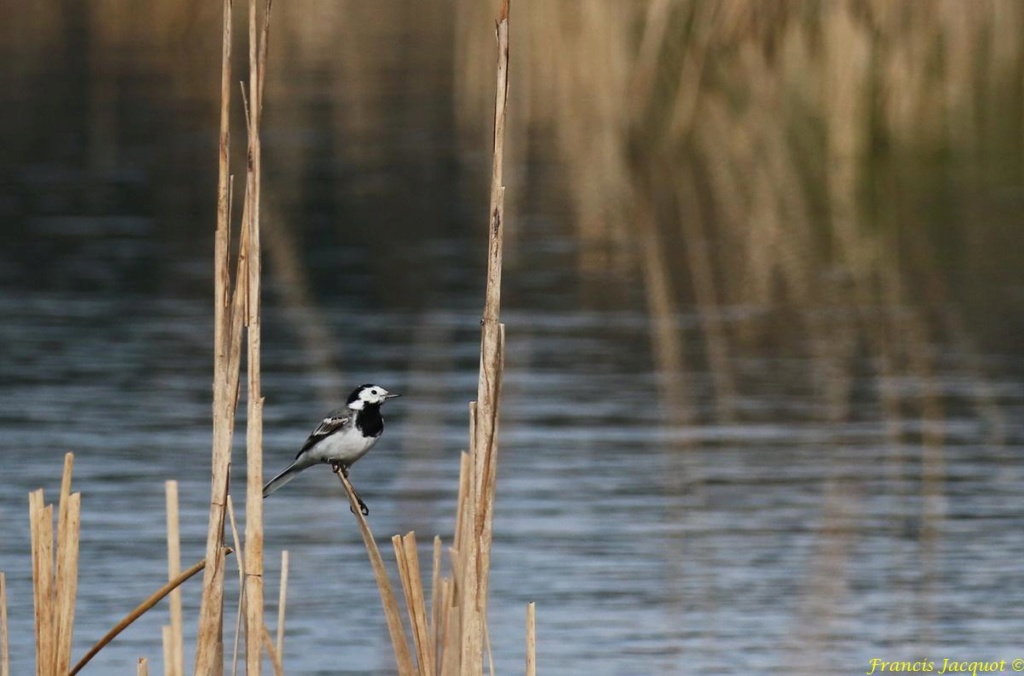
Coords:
pixel 334 421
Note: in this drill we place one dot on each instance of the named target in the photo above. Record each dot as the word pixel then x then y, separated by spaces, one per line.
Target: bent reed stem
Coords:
pixel 140 610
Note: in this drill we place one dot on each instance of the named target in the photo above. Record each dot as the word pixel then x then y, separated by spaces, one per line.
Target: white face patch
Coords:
pixel 373 395
pixel 370 394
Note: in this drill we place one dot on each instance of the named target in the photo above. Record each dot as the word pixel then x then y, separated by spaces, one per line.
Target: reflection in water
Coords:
pixel 763 318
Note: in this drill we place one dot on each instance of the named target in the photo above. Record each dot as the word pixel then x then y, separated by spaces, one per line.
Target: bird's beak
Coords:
pixel 391 395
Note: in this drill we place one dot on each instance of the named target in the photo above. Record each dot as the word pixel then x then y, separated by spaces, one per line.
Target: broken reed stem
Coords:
pixel 412 586
pixel 67 579
pixel 282 600
pixel 225 379
pixel 41 520
pixel 465 488
pixel 5 642
pixel 451 626
pixel 54 573
pixel 167 642
pixel 69 521
pixel 174 650
pixel 435 600
pixel 392 613
pixel 531 639
pixel 143 667
pixel 154 598
pixel 451 639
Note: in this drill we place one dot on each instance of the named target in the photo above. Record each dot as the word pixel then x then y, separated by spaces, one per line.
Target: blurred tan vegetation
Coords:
pixel 730 153
pixel 781 154
pixel 755 120
pixel 771 107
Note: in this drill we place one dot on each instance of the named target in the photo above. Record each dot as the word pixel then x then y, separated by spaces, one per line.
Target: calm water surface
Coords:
pixel 818 520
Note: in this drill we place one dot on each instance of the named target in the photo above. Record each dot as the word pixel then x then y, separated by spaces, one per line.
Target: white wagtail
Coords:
pixel 344 436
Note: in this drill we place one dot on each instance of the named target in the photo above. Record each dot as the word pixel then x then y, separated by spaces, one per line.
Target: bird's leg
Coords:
pixel 342 468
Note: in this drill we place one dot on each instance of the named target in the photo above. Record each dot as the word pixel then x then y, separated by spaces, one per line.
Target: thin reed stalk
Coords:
pixel 142 668
pixel 253 585
pixel 282 602
pixel 392 613
pixel 174 648
pixel 531 639
pixel 209 648
pixel 5 641
pixel 241 585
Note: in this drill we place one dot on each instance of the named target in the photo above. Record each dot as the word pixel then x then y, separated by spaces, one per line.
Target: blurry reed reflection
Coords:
pixel 749 191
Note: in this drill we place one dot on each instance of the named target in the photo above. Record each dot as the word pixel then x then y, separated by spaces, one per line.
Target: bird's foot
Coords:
pixel 362 507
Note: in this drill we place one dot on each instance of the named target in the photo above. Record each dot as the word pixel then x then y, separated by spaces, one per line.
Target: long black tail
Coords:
pixel 281 479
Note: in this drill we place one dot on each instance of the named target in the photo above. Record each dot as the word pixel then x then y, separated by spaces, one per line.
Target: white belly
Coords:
pixel 346 447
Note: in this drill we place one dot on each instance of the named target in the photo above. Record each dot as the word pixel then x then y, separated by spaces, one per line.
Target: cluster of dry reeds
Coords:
pixel 54 586
pixel 450 635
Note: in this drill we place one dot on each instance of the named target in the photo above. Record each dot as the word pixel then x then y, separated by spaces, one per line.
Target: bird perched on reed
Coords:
pixel 344 436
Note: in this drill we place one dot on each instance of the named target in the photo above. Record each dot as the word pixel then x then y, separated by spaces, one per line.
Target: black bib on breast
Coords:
pixel 369 421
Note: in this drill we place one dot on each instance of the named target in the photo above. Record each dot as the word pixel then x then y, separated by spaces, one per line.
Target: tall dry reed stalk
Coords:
pixel 227 353
pixel 253 583
pixel 478 523
pixel 234 307
pixel 451 637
